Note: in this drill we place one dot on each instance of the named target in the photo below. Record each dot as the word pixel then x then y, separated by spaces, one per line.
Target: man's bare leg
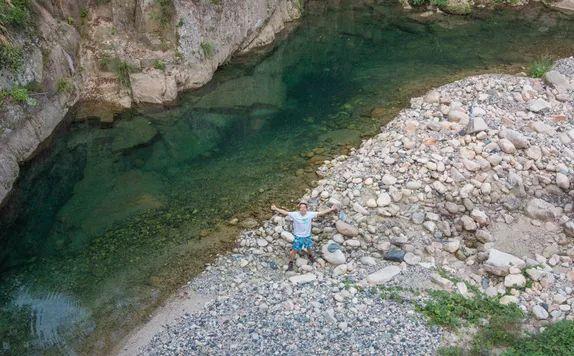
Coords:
pixel 309 255
pixel 292 254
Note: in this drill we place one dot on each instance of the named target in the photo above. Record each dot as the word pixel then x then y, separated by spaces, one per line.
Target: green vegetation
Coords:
pixel 64 86
pixel 539 67
pixel 15 13
pixel 165 12
pixel 498 326
pixel 215 2
pixel 208 49
pixel 120 68
pixel 83 13
pixel 556 339
pixel 10 57
pixel 430 2
pixel 159 64
pixel 18 95
pixel 453 310
pixel 70 20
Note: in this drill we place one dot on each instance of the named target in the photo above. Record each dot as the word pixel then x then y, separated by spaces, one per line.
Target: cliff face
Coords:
pixel 117 52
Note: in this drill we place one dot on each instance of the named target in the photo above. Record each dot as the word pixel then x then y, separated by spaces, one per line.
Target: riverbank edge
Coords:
pixel 188 300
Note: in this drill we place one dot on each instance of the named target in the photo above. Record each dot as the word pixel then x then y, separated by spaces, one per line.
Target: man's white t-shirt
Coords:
pixel 302 223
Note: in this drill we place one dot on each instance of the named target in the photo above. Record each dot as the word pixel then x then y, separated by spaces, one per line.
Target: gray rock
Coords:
pixel 333 256
pixel 303 278
pixel 383 275
pixel 499 262
pixel 558 80
pixel 394 255
pixel 346 229
pixel 538 105
pixel 539 312
pixel 540 210
pixel 476 124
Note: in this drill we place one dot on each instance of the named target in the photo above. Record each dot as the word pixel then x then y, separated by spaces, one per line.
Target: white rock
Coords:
pixel 506 146
pixel 302 278
pixel 499 262
pixel 476 124
pixel 384 199
pixel 383 275
pixel 514 280
pixel 346 229
pixel 337 257
pixel 562 181
pixel 451 246
pixel 368 260
pixel 411 259
pixel 558 80
pixel 507 299
pixel 389 179
pixel 539 312
pixel 540 210
pixel 538 105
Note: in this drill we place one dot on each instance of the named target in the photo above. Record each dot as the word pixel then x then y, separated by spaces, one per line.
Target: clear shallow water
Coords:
pixel 106 222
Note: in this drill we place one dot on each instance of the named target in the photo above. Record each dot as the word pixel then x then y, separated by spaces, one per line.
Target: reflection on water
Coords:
pixel 52 316
pixel 106 222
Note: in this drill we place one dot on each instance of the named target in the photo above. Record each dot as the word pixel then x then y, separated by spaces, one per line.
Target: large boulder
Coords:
pixel 332 253
pixel 346 229
pixel 499 263
pixel 153 87
pixel 540 210
pixel 558 80
pixel 566 6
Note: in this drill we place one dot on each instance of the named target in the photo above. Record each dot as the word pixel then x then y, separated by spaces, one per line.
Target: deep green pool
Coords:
pixel 106 222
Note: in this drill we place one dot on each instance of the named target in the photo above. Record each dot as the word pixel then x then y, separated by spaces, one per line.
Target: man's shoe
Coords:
pixel 290 266
pixel 311 258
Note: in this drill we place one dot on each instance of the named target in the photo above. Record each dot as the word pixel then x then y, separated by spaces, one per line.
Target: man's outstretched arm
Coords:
pixel 279 210
pixel 325 212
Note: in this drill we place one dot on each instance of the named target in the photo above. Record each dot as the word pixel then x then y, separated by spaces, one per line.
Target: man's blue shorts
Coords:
pixel 300 243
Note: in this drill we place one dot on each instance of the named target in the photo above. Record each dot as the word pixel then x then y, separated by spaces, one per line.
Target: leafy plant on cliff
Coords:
pixel 159 64
pixel 208 49
pixel 64 86
pixel 15 13
pixel 10 57
pixel 18 95
pixel 165 12
pixel 540 66
pixel 120 68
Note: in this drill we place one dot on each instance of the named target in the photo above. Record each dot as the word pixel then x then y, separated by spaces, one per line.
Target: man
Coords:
pixel 302 229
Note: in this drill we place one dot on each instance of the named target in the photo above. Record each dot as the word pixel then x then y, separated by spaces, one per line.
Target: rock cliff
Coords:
pixel 54 54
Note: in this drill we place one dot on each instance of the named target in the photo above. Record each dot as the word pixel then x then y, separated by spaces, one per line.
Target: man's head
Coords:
pixel 302 207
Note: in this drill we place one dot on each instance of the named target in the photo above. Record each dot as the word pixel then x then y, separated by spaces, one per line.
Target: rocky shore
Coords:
pixel 475 179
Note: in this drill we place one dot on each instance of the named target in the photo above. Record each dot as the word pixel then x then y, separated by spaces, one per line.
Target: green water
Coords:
pixel 106 222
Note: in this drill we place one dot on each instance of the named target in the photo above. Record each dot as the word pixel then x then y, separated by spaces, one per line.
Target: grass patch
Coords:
pixel 452 310
pixel 18 95
pixel 64 86
pixel 15 13
pixel 11 57
pixel 120 68
pixel 159 64
pixel 498 326
pixel 208 49
pixel 165 12
pixel 556 339
pixel 539 67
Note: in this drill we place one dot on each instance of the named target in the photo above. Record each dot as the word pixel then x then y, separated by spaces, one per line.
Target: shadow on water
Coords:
pixel 105 223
